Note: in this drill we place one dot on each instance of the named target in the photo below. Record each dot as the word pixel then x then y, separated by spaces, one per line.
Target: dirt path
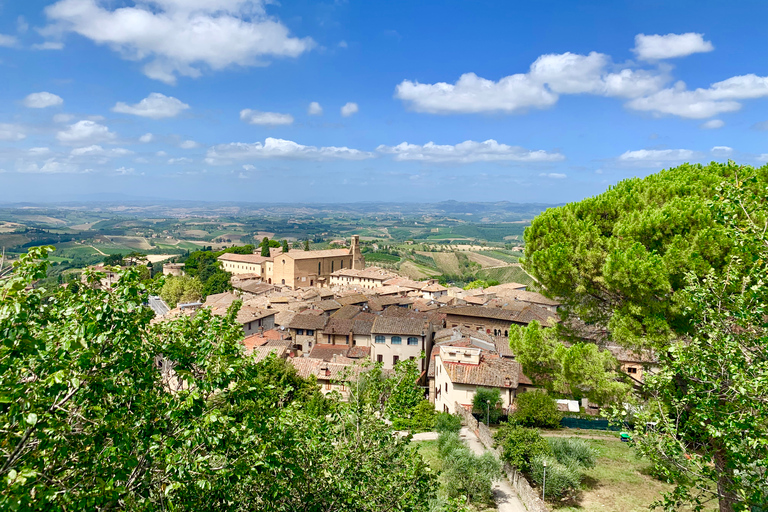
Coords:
pixel 98 251
pixel 505 497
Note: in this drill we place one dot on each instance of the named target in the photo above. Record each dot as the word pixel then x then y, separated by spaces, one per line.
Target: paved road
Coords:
pixel 425 436
pixel 506 498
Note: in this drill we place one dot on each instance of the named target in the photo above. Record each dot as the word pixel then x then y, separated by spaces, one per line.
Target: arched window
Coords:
pixel 397 340
pixel 283 281
pixel 379 339
pixel 412 340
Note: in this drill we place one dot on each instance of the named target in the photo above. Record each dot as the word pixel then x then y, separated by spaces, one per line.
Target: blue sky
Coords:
pixel 341 101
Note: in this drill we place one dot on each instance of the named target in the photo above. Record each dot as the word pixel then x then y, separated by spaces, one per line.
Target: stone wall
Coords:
pixel 527 494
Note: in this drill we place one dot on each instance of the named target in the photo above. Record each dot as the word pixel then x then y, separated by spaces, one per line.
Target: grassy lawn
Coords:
pixel 428 451
pixel 619 481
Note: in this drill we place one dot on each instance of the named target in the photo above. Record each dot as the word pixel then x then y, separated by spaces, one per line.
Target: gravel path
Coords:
pixel 506 498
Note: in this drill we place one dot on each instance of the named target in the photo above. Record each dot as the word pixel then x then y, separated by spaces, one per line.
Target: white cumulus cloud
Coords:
pixel 42 100
pixel 349 109
pixel 146 138
pixel 548 77
pixel 553 175
pixel 722 150
pixel 154 106
pixel 11 132
pixel 8 41
pixel 657 157
pixel 85 132
pixel 96 150
pixel 718 98
pixel 657 47
pixel 315 109
pixel 467 152
pixel 713 124
pixel 265 118
pixel 280 148
pixel 179 37
pixel 189 144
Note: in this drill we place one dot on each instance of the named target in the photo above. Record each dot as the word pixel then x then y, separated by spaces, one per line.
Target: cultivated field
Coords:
pixel 485 261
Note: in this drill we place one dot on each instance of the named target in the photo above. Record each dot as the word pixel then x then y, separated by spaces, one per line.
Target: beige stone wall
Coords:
pixel 404 351
pixel 487 326
pixel 449 393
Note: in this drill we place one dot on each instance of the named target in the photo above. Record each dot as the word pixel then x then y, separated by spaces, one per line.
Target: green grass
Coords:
pixel 619 481
pixel 381 257
pixel 505 275
pixel 428 451
pixel 503 256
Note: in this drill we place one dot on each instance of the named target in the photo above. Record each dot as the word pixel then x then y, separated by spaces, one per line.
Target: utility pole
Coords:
pixel 544 481
pixel 487 413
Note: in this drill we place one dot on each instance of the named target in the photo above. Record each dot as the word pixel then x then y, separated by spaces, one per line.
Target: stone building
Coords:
pixel 296 268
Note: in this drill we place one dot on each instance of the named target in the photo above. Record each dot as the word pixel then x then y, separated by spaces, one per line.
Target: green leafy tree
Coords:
pixel 465 474
pixel 709 399
pixel 520 445
pixel 487 402
pixel 581 369
pixel 103 410
pixel 285 245
pixel 181 289
pixel 113 259
pixel 537 410
pixel 447 422
pixel 306 245
pixel 265 247
pixel 620 259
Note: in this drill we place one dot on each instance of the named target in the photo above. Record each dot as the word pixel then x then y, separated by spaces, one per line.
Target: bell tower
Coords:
pixel 358 261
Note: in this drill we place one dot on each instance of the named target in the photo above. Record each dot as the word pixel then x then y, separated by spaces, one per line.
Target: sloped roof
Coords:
pixel 395 325
pixel 492 371
pixel 355 298
pixel 306 366
pixel 307 322
pixel 359 352
pixel 480 312
pixel 340 326
pixel 260 353
pixel 326 351
pixel 545 317
pixel 347 312
pixel 327 305
pixel 242 258
pixel 298 254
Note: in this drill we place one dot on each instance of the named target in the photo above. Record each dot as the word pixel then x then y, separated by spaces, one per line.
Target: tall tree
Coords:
pixel 265 247
pixel 620 259
pixel 306 245
pixel 709 403
pixel 285 245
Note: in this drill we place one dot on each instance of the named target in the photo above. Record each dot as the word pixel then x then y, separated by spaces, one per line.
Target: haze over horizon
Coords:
pixel 343 101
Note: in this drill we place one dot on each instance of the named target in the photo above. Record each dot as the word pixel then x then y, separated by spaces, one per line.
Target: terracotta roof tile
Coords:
pixel 404 326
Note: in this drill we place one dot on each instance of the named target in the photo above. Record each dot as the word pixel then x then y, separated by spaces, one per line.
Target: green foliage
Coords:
pixel 620 259
pixel 709 398
pixel 127 415
pixel 562 479
pixel 179 290
pixel 465 474
pixel 573 451
pixel 205 266
pixel 239 249
pixel 537 410
pixel 285 245
pixel 479 283
pixel 113 259
pixel 447 422
pixel 265 247
pixel 580 369
pixel 521 445
pixel 487 401
pixel 306 245
pixel 423 417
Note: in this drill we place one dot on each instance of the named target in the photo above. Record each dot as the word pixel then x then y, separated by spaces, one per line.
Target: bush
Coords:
pixel 446 422
pixel 464 473
pixel 521 445
pixel 480 403
pixel 573 452
pixel 423 418
pixel 561 478
pixel 536 410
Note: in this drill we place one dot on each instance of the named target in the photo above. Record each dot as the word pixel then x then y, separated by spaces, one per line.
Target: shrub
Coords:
pixel 448 442
pixel 423 417
pixel 561 478
pixel 480 403
pixel 573 452
pixel 521 445
pixel 464 473
pixel 536 410
pixel 446 422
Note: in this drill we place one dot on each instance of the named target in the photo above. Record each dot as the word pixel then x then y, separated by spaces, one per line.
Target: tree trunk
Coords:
pixel 724 478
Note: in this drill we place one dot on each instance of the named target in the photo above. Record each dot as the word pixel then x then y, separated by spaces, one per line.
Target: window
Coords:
pixel 395 359
pixel 310 332
pixel 412 340
pixel 283 281
pixel 379 339
pixel 331 267
pixel 328 385
pixel 300 332
pixel 631 370
pixel 342 264
pixel 319 263
pixel 397 340
pixel 379 358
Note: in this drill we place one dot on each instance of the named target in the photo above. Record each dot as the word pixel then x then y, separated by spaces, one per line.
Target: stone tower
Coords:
pixel 358 261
